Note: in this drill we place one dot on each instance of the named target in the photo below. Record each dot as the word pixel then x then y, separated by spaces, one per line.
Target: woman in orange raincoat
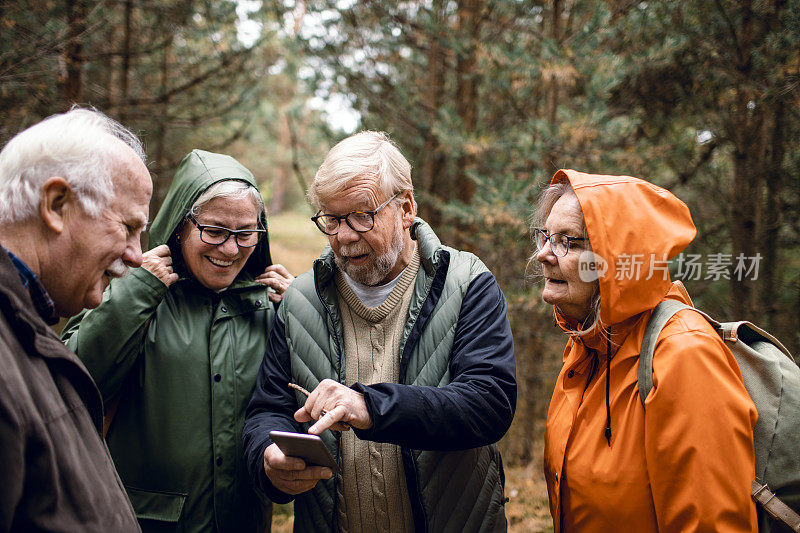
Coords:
pixel 685 463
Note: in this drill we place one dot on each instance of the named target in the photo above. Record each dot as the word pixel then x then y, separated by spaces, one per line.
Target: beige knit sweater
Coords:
pixel 373 495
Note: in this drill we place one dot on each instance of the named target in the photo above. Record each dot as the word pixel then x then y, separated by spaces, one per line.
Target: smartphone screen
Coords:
pixel 309 448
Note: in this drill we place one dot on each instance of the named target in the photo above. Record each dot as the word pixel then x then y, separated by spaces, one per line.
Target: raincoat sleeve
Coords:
pixel 271 407
pixel 108 339
pixel 477 406
pixel 699 432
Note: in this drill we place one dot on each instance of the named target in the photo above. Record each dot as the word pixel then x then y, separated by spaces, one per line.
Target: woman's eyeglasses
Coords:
pixel 217 235
pixel 559 243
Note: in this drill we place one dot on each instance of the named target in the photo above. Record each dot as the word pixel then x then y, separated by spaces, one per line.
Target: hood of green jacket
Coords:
pixel 196 173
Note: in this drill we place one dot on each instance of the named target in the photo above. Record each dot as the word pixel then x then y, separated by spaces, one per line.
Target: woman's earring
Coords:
pixel 177 237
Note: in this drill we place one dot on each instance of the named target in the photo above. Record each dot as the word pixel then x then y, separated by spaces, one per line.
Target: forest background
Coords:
pixel 486 98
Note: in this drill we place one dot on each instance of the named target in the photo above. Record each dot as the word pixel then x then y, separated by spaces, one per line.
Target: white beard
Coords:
pixel 375 271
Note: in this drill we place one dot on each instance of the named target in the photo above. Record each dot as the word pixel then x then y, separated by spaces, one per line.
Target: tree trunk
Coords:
pixel 72 59
pixel 770 243
pixel 551 161
pixel 555 34
pixel 745 209
pixel 280 181
pixel 467 109
pixel 124 75
pixel 433 161
pixel 748 175
pixel 162 180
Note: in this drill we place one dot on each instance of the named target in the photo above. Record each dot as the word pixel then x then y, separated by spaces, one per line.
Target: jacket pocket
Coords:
pixel 156 505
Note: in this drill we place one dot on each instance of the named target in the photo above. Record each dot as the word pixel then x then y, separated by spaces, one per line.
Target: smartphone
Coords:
pixel 309 448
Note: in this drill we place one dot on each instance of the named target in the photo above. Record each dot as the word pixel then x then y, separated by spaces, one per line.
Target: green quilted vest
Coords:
pixel 450 491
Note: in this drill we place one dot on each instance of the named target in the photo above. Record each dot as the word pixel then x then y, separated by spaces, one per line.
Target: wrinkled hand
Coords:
pixel 290 474
pixel 343 408
pixel 277 278
pixel 158 262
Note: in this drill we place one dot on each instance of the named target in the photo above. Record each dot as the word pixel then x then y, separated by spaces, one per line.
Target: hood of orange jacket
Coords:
pixel 634 229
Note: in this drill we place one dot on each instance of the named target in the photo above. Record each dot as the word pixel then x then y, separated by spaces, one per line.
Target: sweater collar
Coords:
pixel 377 314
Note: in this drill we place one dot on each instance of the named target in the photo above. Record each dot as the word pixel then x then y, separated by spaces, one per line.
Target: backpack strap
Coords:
pixel 774 506
pixel 750 333
pixel 661 315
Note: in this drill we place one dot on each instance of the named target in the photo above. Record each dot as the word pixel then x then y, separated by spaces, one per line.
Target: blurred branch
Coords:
pixel 706 151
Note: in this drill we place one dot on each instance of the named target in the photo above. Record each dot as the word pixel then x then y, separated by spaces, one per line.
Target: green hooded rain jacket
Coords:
pixel 183 362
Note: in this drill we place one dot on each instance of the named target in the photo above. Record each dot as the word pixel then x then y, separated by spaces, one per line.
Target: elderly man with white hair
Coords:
pixel 74 197
pixel 399 338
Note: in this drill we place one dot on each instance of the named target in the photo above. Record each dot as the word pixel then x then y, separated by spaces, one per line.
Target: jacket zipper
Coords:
pixel 329 316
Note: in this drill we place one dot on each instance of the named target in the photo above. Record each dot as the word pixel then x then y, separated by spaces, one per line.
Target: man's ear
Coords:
pixel 57 200
pixel 409 209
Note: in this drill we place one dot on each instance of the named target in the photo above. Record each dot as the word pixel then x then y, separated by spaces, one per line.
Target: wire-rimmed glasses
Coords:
pixel 559 243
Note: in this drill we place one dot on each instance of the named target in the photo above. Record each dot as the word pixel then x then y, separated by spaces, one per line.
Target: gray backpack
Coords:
pixel 772 379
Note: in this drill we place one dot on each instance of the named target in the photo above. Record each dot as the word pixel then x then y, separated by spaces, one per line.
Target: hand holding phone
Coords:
pixel 309 448
pixel 293 474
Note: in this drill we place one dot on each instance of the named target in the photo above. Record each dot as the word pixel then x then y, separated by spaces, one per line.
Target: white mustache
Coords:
pixel 353 249
pixel 117 269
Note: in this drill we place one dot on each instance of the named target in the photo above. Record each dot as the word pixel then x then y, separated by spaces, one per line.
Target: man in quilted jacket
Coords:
pixel 406 350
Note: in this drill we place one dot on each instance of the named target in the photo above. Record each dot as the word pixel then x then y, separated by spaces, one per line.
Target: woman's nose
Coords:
pixel 229 247
pixel 545 253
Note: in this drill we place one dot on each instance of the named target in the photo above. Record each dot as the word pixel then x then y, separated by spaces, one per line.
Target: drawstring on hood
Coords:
pixel 608 386
pixel 592 371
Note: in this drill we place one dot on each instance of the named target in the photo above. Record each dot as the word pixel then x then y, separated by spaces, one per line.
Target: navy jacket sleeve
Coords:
pixel 477 406
pixel 271 408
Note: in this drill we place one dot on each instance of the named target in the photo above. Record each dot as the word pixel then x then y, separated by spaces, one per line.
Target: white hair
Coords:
pixel 81 145
pixel 230 188
pixel 368 153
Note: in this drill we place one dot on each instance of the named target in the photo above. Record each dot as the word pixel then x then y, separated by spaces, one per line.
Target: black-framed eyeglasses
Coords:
pixel 359 221
pixel 559 243
pixel 217 235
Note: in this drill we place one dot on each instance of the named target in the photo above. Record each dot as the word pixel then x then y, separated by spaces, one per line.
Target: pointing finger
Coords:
pixel 328 419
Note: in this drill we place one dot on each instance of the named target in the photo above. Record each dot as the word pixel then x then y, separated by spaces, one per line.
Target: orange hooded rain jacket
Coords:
pixel 685 463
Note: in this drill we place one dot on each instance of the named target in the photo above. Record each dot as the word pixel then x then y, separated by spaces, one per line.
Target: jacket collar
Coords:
pixel 16 293
pixel 41 299
pixel 429 245
pixel 39 340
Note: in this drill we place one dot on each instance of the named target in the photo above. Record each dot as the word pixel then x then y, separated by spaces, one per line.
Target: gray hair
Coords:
pixel 81 145
pixel 230 188
pixel 547 199
pixel 368 153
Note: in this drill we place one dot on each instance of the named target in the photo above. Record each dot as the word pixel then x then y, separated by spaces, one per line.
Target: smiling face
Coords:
pixel 216 266
pixel 379 255
pixel 101 248
pixel 563 286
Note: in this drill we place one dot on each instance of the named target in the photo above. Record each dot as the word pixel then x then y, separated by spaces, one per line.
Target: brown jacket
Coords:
pixel 55 471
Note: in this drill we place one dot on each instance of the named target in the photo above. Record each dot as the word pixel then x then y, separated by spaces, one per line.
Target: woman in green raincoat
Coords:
pixel 175 348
